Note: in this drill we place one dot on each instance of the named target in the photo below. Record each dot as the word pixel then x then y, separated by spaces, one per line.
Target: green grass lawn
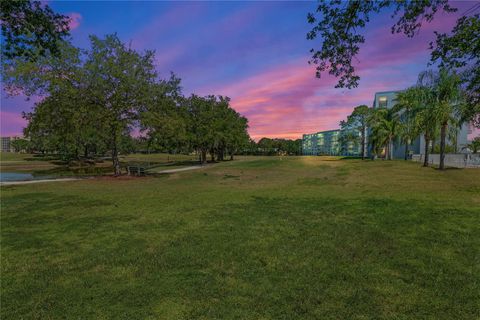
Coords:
pixel 258 238
pixel 51 165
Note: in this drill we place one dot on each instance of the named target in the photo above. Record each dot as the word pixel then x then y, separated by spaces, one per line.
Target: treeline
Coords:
pixel 435 108
pixel 274 147
pixel 96 98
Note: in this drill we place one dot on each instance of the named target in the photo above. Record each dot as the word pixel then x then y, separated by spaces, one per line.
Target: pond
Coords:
pixel 17 176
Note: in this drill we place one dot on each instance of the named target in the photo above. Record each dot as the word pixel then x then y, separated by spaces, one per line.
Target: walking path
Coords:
pixel 12 183
pixel 181 169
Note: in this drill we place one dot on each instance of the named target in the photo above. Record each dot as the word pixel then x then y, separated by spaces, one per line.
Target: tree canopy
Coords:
pixel 31 29
pixel 96 98
pixel 339 24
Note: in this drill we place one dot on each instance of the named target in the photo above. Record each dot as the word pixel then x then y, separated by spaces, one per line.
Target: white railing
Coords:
pixel 457 160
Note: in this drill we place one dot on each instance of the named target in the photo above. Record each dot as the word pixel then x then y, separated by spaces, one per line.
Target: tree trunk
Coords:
pixel 425 160
pixel 203 156
pixel 456 139
pixel 212 155
pixel 432 150
pixel 363 143
pixel 443 134
pixel 406 150
pixel 390 149
pixel 220 154
pixel 231 155
pixel 116 161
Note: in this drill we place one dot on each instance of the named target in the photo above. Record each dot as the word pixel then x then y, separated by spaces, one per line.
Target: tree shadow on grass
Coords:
pixel 26 217
pixel 270 257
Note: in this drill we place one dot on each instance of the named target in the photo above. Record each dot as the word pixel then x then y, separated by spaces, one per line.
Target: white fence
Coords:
pixel 457 160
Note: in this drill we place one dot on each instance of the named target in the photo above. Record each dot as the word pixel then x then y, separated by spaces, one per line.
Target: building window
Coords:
pixel 382 102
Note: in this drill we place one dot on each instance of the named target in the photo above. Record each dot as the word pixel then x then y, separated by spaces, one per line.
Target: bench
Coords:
pixel 135 170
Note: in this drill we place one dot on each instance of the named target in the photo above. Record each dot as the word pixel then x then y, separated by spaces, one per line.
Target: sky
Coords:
pixel 254 52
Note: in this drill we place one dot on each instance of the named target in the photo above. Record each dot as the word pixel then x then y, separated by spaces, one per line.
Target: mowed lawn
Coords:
pixel 256 238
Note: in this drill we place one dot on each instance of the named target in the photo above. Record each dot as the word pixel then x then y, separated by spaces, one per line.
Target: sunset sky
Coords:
pixel 254 52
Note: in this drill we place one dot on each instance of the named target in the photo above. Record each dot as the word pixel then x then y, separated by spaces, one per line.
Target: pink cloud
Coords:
pixel 288 101
pixel 11 123
pixel 75 19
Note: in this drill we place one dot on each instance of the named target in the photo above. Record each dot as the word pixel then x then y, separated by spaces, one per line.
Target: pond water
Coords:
pixel 17 176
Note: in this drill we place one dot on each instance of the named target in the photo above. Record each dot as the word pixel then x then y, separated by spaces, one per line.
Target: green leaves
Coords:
pixel 214 126
pixel 31 30
pixel 339 27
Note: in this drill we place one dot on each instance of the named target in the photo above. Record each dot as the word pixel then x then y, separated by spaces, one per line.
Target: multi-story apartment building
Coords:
pixel 329 143
pixel 6 146
pixel 7 143
pixel 387 99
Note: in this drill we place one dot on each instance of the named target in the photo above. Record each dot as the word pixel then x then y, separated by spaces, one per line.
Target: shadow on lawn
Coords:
pixel 63 171
pixel 270 257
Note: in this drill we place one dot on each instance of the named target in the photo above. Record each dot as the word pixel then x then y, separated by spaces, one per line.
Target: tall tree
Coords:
pixel 200 117
pixel 162 119
pixel 448 101
pixel 426 119
pixel 384 125
pixel 460 51
pixel 357 121
pixel 407 104
pixel 237 136
pixel 119 80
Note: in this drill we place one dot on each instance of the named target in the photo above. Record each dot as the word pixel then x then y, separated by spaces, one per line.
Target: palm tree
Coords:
pixel 448 98
pixel 384 124
pixel 426 117
pixel 407 106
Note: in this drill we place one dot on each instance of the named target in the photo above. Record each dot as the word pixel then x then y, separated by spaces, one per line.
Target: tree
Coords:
pixel 20 145
pixel 64 123
pixel 448 97
pixel 407 105
pixel 357 122
pixel 474 145
pixel 47 74
pixel 425 119
pixel 237 135
pixel 384 125
pixel 214 127
pixel 460 51
pixel 119 80
pixel 31 30
pixel 339 27
pixel 162 119
pixel 200 117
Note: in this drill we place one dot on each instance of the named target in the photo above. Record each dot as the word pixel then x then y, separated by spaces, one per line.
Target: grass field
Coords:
pixel 53 166
pixel 258 238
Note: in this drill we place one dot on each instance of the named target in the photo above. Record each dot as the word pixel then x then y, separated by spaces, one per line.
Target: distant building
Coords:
pixel 7 144
pixel 387 99
pixel 329 143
